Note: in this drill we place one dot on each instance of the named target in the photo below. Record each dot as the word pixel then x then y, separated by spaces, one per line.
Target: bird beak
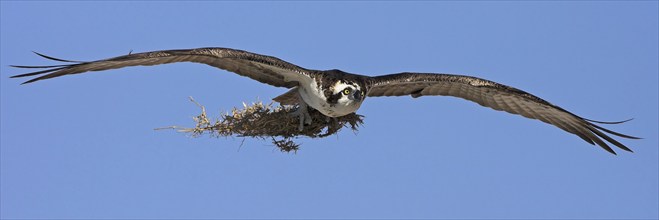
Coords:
pixel 358 95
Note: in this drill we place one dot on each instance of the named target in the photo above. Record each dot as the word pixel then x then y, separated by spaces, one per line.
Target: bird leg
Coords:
pixel 303 113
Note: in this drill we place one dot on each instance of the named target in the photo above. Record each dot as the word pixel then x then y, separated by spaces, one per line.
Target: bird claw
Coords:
pixel 303 113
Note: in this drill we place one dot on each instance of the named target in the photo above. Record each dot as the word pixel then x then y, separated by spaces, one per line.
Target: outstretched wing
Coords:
pixel 265 69
pixel 496 96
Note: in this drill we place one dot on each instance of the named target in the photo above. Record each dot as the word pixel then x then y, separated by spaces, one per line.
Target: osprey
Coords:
pixel 336 93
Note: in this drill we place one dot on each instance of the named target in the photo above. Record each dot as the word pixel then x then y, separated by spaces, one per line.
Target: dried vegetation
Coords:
pixel 269 121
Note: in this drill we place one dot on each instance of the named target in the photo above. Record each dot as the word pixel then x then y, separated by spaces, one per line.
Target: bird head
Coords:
pixel 347 93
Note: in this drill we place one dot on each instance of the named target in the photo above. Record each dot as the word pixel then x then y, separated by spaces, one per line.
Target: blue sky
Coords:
pixel 83 146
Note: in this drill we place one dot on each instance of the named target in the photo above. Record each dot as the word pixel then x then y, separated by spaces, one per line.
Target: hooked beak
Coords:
pixel 358 95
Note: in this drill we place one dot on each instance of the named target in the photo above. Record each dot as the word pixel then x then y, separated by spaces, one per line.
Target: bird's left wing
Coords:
pixel 496 96
pixel 265 69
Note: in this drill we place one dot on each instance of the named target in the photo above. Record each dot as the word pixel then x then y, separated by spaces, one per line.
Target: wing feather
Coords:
pixel 265 69
pixel 496 96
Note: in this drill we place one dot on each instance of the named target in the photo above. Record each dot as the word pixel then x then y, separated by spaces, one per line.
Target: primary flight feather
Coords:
pixel 336 93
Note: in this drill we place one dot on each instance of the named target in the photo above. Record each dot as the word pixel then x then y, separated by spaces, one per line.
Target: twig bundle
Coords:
pixel 263 121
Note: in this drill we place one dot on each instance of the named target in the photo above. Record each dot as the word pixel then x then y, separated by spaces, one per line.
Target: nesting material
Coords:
pixel 269 121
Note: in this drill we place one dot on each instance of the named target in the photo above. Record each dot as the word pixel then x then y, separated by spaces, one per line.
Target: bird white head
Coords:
pixel 347 93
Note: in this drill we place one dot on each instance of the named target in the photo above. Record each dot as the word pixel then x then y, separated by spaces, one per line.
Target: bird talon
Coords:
pixel 303 114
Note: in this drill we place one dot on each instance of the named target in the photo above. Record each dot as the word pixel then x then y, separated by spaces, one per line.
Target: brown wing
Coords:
pixel 291 97
pixel 265 69
pixel 496 96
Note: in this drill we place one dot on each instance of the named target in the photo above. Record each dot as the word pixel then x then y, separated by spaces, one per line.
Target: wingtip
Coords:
pixel 605 147
pixel 610 150
pixel 55 59
pixel 608 122
pixel 30 81
pixel 616 154
pixel 40 54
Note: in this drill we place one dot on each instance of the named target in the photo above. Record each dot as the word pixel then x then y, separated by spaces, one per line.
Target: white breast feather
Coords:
pixel 314 97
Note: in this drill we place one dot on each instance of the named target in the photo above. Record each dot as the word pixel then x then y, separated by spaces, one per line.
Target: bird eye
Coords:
pixel 346 91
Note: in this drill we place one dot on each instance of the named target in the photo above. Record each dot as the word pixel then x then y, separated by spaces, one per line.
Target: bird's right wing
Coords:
pixel 265 69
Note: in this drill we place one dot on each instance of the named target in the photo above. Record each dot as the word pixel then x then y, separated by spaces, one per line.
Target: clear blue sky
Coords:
pixel 83 146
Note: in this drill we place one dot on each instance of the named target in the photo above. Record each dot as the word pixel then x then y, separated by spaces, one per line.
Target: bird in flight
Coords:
pixel 336 93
